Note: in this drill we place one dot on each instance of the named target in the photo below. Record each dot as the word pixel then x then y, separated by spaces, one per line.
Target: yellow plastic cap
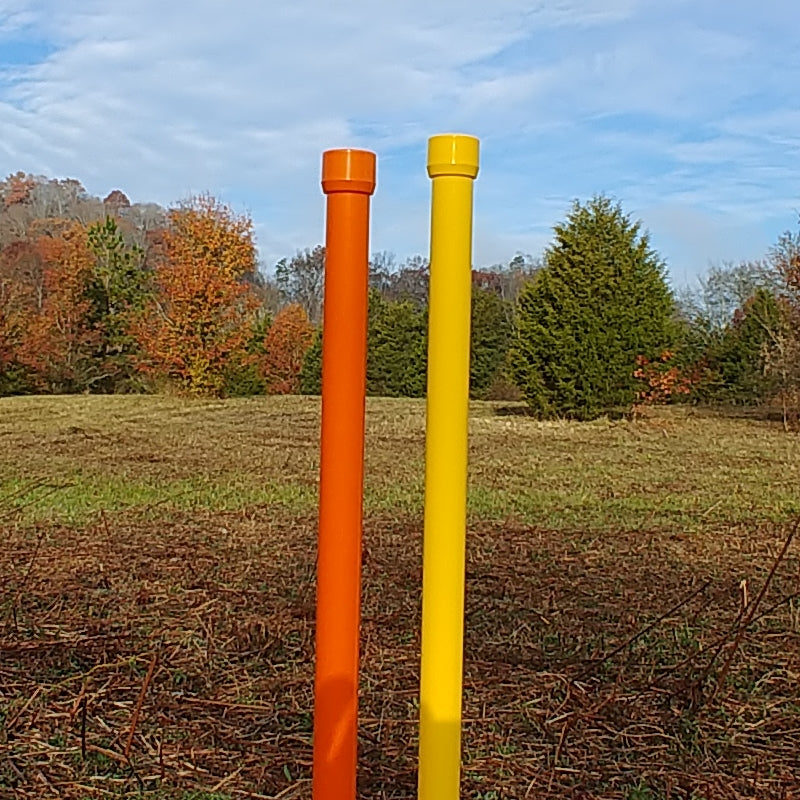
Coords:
pixel 453 154
pixel 348 170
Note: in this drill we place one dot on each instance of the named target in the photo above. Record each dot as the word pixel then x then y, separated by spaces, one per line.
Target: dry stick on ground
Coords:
pixel 26 488
pixel 617 650
pixel 11 721
pixel 719 644
pixel 720 641
pixel 227 779
pixel 738 626
pixel 17 509
pixel 753 608
pixel 149 677
pixel 83 728
pixel 571 720
pixel 80 705
pixel 25 577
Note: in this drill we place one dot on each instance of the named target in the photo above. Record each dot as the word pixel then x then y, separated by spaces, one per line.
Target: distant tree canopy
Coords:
pixel 301 280
pixel 783 356
pixel 723 292
pixel 600 301
pixel 106 295
pixel 396 350
pixel 397 344
pixel 742 329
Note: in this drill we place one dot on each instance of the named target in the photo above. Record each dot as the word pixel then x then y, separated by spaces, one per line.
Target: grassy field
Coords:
pixel 633 608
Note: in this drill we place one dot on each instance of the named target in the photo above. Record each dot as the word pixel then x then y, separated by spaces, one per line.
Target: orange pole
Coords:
pixel 348 180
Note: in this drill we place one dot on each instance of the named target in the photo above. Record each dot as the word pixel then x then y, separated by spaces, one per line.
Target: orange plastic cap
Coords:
pixel 348 170
pixel 453 154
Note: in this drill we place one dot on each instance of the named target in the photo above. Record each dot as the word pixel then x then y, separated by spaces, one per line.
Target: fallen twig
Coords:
pixel 147 678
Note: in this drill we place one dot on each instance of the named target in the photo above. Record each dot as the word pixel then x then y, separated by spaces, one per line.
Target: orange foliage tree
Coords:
pixel 197 320
pixel 17 188
pixel 20 285
pixel 285 346
pixel 58 340
pixel 8 327
pixel 664 381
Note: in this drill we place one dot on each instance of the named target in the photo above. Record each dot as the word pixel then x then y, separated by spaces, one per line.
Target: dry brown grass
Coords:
pixel 673 470
pixel 163 648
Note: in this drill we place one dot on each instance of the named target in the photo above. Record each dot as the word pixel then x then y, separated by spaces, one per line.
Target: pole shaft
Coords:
pixel 348 180
pixel 453 165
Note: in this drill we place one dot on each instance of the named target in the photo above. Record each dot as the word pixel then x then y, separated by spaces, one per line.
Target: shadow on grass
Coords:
pixel 514 411
pixel 526 411
pixel 765 413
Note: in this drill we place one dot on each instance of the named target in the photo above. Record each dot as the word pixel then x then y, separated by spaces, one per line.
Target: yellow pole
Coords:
pixel 452 165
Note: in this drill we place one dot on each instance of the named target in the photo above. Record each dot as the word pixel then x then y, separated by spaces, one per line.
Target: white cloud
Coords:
pixel 15 15
pixel 240 98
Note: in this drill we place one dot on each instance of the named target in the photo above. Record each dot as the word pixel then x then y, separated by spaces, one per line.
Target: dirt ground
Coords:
pixel 619 666
pixel 165 652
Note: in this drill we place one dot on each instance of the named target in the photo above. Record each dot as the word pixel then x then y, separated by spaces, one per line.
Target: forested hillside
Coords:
pixel 107 296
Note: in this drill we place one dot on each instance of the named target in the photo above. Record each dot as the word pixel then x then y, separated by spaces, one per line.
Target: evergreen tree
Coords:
pixel 600 301
pixel 396 348
pixel 117 289
pixel 243 377
pixel 737 361
pixel 311 371
pixel 491 336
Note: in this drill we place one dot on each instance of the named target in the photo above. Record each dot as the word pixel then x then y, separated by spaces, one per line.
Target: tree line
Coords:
pixel 109 296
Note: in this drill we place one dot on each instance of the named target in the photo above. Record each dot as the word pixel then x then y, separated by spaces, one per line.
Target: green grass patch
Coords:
pixel 68 458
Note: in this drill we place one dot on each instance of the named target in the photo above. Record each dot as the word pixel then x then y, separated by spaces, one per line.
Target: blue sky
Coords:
pixel 686 111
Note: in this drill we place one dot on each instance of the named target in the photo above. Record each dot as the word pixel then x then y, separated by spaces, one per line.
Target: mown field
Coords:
pixel 632 623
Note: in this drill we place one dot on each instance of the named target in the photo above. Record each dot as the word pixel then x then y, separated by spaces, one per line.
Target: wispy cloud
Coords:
pixel 684 111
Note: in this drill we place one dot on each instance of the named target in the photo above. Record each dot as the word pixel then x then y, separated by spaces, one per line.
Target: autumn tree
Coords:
pixel 59 341
pixel 7 326
pixel 115 201
pixel 21 265
pixel 15 213
pixel 285 346
pixel 21 293
pixel 16 189
pixel 13 376
pixel 198 318
pixel 663 380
